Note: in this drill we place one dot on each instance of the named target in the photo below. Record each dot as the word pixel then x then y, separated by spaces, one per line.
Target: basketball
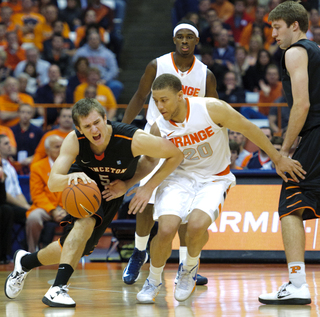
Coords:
pixel 82 200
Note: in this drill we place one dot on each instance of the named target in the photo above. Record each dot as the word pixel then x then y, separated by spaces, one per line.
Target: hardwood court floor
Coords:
pixel 98 290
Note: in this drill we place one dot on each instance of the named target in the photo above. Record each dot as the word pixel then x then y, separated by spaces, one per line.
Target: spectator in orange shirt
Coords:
pixel 224 9
pixel 8 132
pixel 46 205
pixel 251 28
pixel 90 19
pixel 103 93
pixel 44 31
pixel 65 126
pixel 272 90
pixel 10 101
pixel 26 20
pixel 15 53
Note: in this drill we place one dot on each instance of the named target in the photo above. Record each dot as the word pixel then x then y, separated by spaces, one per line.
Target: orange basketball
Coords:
pixel 82 200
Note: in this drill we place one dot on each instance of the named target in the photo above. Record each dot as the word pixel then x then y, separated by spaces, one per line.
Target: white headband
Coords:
pixel 185 26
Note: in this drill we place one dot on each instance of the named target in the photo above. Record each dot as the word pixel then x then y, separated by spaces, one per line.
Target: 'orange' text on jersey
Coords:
pixel 190 91
pixel 193 138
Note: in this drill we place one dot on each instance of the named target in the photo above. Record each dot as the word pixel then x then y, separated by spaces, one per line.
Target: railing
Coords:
pixel 123 106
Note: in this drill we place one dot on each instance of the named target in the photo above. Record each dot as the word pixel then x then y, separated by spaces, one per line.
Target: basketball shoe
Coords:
pixel 201 280
pixel 186 283
pixel 132 270
pixel 57 296
pixel 148 293
pixel 287 294
pixel 15 280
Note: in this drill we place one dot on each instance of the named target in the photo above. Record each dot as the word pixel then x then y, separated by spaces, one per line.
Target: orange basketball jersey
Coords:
pixel 193 81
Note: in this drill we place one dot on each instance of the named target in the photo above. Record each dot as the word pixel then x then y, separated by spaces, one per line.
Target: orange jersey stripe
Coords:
pixel 293 195
pixel 122 136
pixel 290 187
pixel 299 201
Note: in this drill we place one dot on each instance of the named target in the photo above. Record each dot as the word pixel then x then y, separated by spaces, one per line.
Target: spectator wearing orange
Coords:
pixel 251 8
pixel 239 20
pixel 46 205
pixel 271 5
pixel 252 28
pixel 8 132
pixel 15 53
pixel 271 90
pixel 314 22
pixel 103 93
pixel 5 17
pixel 224 9
pixel 44 31
pixel 14 5
pixel 26 20
pixel 10 101
pixel 90 19
pixel 65 126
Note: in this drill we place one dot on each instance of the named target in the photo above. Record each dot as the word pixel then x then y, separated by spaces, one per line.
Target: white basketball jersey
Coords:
pixel 204 144
pixel 193 81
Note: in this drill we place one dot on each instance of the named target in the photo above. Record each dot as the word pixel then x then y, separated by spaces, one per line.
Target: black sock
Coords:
pixel 64 273
pixel 30 261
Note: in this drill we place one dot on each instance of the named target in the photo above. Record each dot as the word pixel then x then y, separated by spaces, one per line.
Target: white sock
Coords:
pixel 141 242
pixel 155 274
pixel 182 253
pixel 297 273
pixel 191 261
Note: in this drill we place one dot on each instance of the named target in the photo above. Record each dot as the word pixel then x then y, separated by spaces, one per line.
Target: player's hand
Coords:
pixel 114 190
pixel 74 178
pixel 140 200
pixel 290 166
pixel 58 214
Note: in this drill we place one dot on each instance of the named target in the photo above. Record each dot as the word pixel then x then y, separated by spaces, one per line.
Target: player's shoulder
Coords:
pixel 123 129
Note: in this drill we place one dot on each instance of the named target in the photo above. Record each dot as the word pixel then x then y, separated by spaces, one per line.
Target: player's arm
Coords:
pixel 296 59
pixel 139 98
pixel 59 177
pixel 211 85
pixel 225 116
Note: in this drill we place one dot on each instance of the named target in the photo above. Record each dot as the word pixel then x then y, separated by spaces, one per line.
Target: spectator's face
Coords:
pixel 211 16
pixel 6 13
pixel 57 43
pixel 204 6
pixel 272 76
pixel 260 13
pixel 82 67
pixel 5 147
pixel 237 137
pixel 223 38
pixel 54 73
pixel 230 80
pixel 71 4
pixel 23 82
pixel 51 14
pixel 264 58
pixel 58 27
pixel 32 56
pixel 239 7
pixel 65 119
pixel 267 133
pixel 27 4
pixel 94 40
pixel 91 92
pixel 11 86
pixel 90 17
pixel 12 39
pixel 54 148
pixel 26 113
pixel 93 78
pixel 240 55
pixel 2 31
pixel 314 17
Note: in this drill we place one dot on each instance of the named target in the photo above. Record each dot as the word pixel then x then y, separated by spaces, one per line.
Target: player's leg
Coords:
pixel 72 251
pixel 196 237
pixel 144 224
pixel 296 291
pixel 201 280
pixel 160 250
